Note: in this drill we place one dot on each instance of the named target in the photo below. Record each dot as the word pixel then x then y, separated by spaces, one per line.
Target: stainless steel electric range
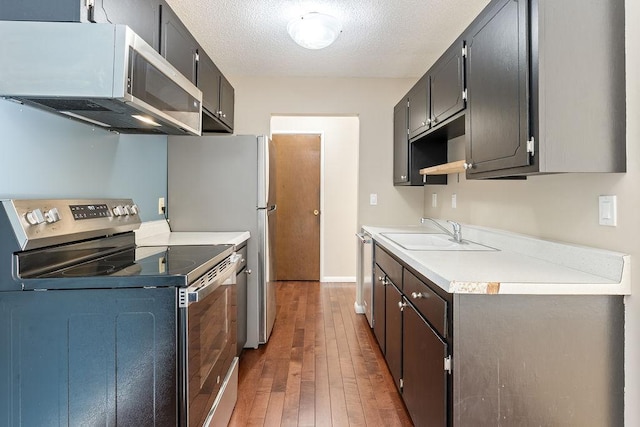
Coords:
pixel 94 330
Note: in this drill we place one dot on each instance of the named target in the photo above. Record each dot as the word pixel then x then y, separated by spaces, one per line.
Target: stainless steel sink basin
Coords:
pixel 433 242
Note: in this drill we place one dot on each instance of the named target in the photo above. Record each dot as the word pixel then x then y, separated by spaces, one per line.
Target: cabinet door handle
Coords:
pixel 247 271
pixel 403 177
pixel 468 166
pixel 401 305
pixel 424 123
pixel 417 295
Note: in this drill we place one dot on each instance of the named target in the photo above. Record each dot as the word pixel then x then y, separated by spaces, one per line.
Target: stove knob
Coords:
pixel 127 210
pixel 52 215
pixel 35 217
pixel 118 210
pixel 134 209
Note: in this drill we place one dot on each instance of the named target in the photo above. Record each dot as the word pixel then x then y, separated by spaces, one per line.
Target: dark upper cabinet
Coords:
pixel 410 157
pixel 209 83
pixel 217 97
pixel 419 120
pixel 447 90
pixel 177 44
pixel 227 102
pixel 497 85
pixel 546 95
pixel 400 143
pixel 142 16
pixel 183 51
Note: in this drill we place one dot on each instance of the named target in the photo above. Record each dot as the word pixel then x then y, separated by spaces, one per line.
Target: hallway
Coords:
pixel 321 367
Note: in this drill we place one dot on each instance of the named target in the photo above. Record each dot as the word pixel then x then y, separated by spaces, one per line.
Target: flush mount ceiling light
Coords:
pixel 314 30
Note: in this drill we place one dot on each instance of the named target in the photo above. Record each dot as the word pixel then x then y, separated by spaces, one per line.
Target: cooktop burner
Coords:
pixel 146 261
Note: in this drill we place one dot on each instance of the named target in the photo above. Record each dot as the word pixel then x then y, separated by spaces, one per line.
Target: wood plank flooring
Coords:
pixel 321 366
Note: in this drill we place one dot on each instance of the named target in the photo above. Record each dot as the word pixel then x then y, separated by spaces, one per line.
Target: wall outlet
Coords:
pixel 161 206
pixel 454 201
pixel 434 200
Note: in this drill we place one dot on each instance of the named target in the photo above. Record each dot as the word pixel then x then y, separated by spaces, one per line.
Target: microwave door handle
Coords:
pixel 228 274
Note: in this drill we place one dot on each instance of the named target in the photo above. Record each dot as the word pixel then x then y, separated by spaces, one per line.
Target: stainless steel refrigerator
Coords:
pixel 227 183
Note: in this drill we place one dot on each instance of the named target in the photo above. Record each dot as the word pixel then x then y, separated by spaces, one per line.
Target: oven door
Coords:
pixel 208 340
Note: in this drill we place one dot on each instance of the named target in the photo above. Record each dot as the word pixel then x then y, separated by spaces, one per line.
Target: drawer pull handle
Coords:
pixel 401 305
pixel 417 295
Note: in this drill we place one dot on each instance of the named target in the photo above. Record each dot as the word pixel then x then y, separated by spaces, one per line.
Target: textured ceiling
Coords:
pixel 380 38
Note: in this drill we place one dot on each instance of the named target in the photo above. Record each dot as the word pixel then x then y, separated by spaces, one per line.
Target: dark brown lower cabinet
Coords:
pixel 379 282
pixel 393 353
pixel 424 380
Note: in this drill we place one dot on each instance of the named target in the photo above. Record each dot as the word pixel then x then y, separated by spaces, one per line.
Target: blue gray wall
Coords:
pixel 43 155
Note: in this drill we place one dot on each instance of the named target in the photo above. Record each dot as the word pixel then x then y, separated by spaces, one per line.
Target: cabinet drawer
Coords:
pixel 390 266
pixel 428 303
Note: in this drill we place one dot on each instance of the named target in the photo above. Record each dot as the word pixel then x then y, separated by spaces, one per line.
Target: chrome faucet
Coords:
pixel 457 229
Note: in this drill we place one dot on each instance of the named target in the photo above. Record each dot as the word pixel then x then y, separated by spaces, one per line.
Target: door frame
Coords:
pixel 321 133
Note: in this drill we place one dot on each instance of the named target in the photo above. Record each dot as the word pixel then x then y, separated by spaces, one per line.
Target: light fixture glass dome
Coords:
pixel 314 30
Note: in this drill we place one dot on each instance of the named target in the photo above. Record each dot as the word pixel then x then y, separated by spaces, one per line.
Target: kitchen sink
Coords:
pixel 433 242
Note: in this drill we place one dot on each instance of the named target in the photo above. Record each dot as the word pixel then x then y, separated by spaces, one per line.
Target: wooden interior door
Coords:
pixel 297 254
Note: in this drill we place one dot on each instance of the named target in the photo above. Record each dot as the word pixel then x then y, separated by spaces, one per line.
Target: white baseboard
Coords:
pixel 334 279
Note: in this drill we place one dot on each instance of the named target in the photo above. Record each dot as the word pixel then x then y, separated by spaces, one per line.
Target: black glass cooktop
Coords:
pixel 149 261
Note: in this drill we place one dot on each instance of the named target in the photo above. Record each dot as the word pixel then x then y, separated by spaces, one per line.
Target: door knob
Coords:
pixel 316 212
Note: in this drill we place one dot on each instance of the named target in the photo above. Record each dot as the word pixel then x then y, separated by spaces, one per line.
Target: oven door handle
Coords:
pixel 227 277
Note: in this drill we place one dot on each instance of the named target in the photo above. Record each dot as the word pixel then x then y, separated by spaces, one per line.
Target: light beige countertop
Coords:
pixel 157 233
pixel 518 264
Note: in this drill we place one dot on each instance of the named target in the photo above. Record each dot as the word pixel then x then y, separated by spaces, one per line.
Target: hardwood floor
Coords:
pixel 321 366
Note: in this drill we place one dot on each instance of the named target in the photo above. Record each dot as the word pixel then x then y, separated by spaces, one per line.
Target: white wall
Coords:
pixel 339 187
pixel 371 100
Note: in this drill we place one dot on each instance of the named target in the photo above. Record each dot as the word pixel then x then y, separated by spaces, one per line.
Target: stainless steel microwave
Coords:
pixel 102 74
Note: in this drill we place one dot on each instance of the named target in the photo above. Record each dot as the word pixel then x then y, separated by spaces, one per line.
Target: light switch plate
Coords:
pixel 454 201
pixel 607 211
pixel 434 200
pixel 373 199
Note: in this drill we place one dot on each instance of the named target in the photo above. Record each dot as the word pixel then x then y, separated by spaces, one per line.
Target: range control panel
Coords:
pixel 44 222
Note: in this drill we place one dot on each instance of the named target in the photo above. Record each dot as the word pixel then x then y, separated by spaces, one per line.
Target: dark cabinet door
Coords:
pixel 379 306
pixel 419 108
pixel 227 101
pixel 209 83
pixel 217 96
pixel 497 85
pixel 424 378
pixel 393 353
pixel 142 16
pixel 400 143
pixel 177 44
pixel 447 85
